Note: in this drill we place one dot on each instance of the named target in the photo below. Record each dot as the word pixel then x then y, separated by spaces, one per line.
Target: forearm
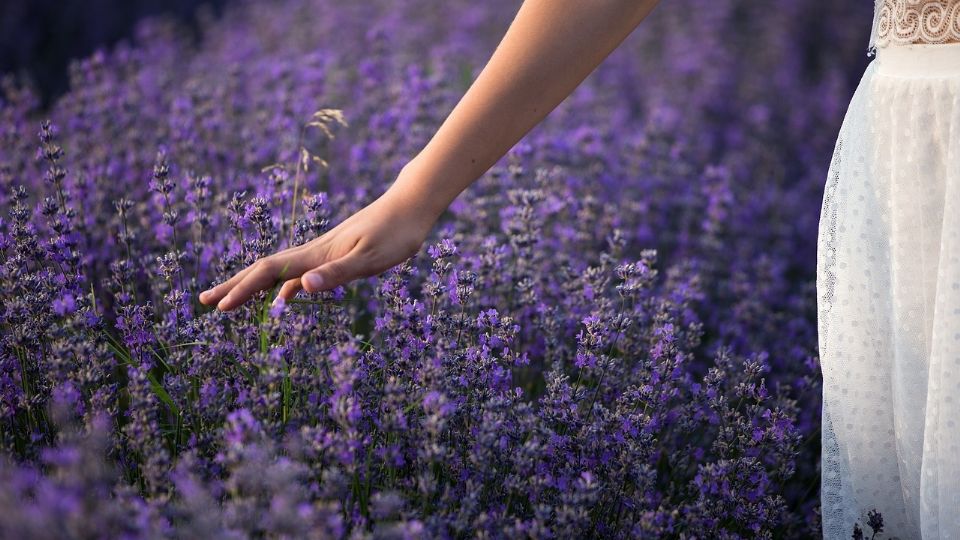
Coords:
pixel 549 49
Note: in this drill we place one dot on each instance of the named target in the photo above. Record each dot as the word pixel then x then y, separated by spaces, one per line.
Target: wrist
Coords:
pixel 414 190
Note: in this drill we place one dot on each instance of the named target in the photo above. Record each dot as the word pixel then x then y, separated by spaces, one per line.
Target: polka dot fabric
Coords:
pixel 888 285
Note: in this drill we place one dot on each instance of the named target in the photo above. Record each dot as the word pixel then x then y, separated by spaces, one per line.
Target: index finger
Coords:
pixel 214 294
pixel 263 274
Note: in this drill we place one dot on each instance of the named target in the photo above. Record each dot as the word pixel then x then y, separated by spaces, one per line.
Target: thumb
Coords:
pixel 332 274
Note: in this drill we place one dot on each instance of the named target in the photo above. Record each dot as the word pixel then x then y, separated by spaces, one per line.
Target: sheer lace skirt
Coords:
pixel 888 285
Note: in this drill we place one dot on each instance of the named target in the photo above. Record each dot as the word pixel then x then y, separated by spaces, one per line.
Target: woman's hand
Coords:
pixel 383 234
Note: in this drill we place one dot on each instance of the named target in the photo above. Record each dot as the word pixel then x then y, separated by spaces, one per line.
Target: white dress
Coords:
pixel 888 285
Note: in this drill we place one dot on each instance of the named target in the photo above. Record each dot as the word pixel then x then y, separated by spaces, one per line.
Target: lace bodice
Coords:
pixel 903 22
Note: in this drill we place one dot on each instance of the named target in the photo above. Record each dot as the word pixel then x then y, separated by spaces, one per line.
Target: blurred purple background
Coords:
pixel 38 38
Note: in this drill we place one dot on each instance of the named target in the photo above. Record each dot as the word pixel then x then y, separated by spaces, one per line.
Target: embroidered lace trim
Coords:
pixel 915 21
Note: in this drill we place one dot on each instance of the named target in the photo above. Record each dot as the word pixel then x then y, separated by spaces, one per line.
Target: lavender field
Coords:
pixel 611 334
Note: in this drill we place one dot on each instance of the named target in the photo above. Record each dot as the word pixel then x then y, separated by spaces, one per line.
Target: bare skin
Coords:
pixel 549 49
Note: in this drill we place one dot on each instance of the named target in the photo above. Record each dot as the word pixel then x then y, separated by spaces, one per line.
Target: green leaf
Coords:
pixel 161 393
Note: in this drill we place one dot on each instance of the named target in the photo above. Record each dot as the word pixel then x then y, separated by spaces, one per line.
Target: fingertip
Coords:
pixel 278 301
pixel 312 282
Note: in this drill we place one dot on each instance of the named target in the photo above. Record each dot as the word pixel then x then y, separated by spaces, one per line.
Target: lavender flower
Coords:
pixel 610 335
